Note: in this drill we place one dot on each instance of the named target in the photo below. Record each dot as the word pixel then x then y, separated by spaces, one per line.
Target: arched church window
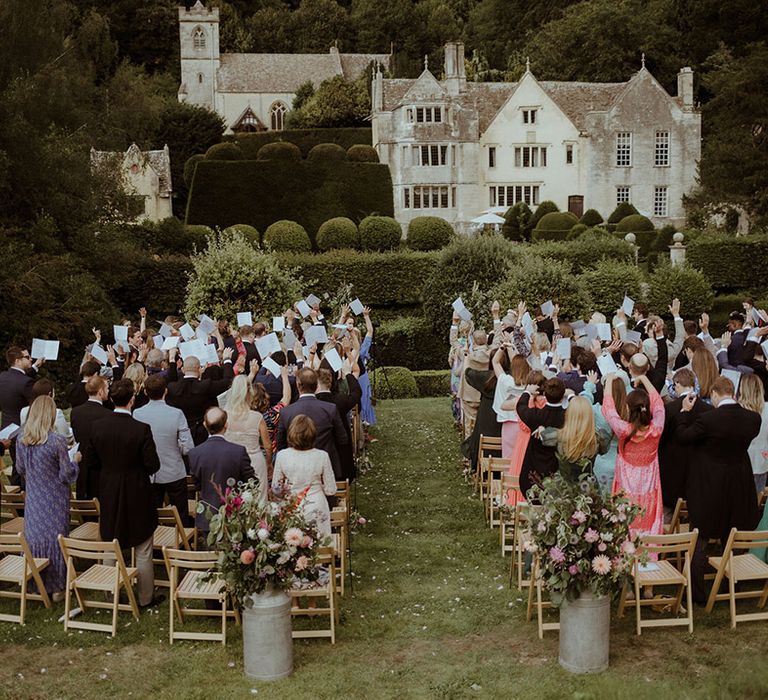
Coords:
pixel 277 116
pixel 198 38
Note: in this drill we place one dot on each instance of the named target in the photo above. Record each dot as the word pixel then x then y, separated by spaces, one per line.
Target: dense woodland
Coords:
pixel 105 73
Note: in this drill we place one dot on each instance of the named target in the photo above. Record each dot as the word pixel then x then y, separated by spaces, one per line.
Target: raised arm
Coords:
pixel 368 324
pixel 285 399
pixel 619 426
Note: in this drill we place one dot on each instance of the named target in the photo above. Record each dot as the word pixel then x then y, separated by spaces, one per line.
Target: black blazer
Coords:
pixel 211 464
pixel 720 489
pixel 123 451
pixel 82 419
pixel 330 428
pixel 540 461
pixel 15 393
pixel 194 397
pixel 76 395
pixel 344 404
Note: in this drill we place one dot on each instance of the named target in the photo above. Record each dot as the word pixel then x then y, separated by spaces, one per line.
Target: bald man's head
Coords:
pixel 191 366
pixel 215 420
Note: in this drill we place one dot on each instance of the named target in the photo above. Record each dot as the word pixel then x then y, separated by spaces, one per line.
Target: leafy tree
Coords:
pixel 517 222
pixel 303 93
pixel 337 103
pixel 317 24
pixel 270 30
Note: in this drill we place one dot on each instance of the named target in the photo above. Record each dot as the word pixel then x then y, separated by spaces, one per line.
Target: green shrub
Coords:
pixel 361 153
pixel 379 279
pixel 393 383
pixel 620 212
pixel 305 139
pixel 576 231
pixel 591 217
pixel 231 275
pixel 517 222
pixel 249 232
pixel 433 382
pixel 196 238
pixel 224 151
pixel 554 226
pixel 729 262
pixel 190 166
pixel 546 207
pixel 664 238
pixel 279 150
pixel 287 235
pixel 586 251
pixel 535 280
pixel 410 341
pixel 682 282
pixel 327 153
pixel 634 223
pixel 338 232
pixel 157 282
pixel 429 233
pixel 608 282
pixel 380 233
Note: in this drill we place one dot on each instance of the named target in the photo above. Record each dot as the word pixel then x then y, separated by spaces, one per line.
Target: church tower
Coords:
pixel 199 42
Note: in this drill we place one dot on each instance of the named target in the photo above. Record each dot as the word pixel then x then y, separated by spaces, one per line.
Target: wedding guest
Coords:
pixel 752 397
pixel 640 316
pixel 43 461
pixel 136 373
pixel 83 418
pixel 705 369
pixel 344 403
pixel 307 470
pixel 271 414
pixel 44 387
pixel 477 357
pixel 76 393
pixel 367 414
pixel 508 387
pixel 485 423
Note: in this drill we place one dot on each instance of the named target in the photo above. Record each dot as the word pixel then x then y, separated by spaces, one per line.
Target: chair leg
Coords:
pixel 41 587
pixel 68 595
pixel 539 609
pixel 637 605
pixel 689 598
pixel 732 597
pixel 622 601
pixel 763 597
pixel 223 601
pixel 715 586
pixel 23 605
pixel 131 597
pixel 115 603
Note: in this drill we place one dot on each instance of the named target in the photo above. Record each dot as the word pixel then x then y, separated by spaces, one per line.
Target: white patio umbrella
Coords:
pixel 488 218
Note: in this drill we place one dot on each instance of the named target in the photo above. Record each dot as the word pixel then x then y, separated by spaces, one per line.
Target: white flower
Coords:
pixel 284 557
pixel 601 564
pixel 247 497
pixel 274 509
pixel 251 534
pixel 293 536
pixel 263 533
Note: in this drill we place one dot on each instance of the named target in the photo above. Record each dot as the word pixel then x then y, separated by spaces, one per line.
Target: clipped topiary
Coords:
pixel 197 235
pixel 634 223
pixel 248 232
pixel 380 233
pixel 433 382
pixel 554 226
pixel 398 383
pixel 339 232
pixel 591 217
pixel 189 168
pixel 228 150
pixel 623 210
pixel 429 233
pixel 327 152
pixel 682 282
pixel 609 281
pixel 287 235
pixel 517 222
pixel 546 207
pixel 279 150
pixel 576 231
pixel 360 153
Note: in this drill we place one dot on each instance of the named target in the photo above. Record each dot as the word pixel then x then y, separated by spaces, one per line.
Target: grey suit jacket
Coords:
pixel 172 438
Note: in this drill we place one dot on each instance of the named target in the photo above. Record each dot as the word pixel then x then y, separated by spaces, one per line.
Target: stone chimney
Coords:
pixel 455 75
pixel 377 92
pixel 685 87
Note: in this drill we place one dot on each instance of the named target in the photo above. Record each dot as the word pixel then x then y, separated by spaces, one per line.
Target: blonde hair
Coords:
pixel 540 343
pixel 40 421
pixel 751 393
pixel 137 374
pixel 240 397
pixel 577 437
pixel 705 368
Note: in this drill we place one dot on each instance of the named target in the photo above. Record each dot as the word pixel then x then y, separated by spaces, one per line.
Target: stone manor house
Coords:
pixel 458 148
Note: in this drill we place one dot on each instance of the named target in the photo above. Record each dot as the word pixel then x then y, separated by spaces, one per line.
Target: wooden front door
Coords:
pixel 576 205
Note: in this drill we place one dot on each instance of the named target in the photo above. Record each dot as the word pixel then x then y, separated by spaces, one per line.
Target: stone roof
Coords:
pixel 574 98
pixel 284 72
pixel 159 161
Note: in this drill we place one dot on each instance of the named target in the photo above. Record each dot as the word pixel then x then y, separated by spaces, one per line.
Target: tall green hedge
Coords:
pixel 305 139
pixel 433 382
pixel 410 341
pixel 393 383
pixel 586 251
pixel 158 283
pixel 731 263
pixel 259 193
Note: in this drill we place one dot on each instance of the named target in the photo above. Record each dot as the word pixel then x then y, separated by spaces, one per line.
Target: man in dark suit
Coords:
pixel 82 419
pixel 215 461
pixel 540 461
pixel 274 385
pixel 330 429
pixel 248 338
pixel 122 450
pixel 344 404
pixel 16 393
pixel 194 395
pixel 720 489
pixel 674 457
pixel 640 315
pixel 77 394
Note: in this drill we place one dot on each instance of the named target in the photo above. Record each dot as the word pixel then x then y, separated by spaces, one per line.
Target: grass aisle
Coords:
pixel 430 616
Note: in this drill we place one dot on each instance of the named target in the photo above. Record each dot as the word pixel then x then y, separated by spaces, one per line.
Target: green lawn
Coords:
pixel 430 616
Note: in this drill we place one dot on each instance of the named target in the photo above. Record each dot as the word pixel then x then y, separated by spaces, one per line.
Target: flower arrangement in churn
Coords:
pixel 262 544
pixel 582 537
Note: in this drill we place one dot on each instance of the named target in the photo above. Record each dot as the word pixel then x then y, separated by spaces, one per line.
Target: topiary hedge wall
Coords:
pixel 433 382
pixel 411 341
pixel 305 139
pixel 429 233
pixel 554 226
pixel 339 232
pixel 731 263
pixel 393 383
pixel 259 193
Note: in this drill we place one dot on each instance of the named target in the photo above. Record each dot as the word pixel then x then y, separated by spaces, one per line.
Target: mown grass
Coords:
pixel 430 615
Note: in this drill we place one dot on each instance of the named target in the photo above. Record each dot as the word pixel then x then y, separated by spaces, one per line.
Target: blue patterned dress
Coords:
pixel 366 404
pixel 49 474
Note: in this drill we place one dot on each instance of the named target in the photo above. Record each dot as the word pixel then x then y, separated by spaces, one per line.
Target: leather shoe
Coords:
pixel 156 600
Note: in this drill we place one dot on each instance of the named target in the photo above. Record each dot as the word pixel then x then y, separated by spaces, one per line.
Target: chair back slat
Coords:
pixel 90 549
pixel 669 544
pixel 748 539
pixel 185 559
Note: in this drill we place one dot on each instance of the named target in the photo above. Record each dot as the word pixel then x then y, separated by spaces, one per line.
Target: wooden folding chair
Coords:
pixel 522 529
pixel 738 568
pixel 11 512
pixel 326 557
pixel 510 485
pixel 192 496
pixel 7 488
pixel 342 495
pixel 536 590
pixel 496 467
pixel 170 532
pixel 663 573
pixel 18 567
pixel 340 535
pixel 193 587
pixel 84 519
pixel 109 578
pixel 488 447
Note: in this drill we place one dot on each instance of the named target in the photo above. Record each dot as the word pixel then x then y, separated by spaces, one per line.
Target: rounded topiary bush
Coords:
pixel 360 153
pixel 591 217
pixel 680 282
pixel 608 281
pixel 224 151
pixel 380 233
pixel 554 226
pixel 249 233
pixel 197 235
pixel 327 152
pixel 287 235
pixel 634 223
pixel 576 231
pixel 189 168
pixel 398 383
pixel 517 222
pixel 429 233
pixel 620 212
pixel 546 207
pixel 279 150
pixel 339 232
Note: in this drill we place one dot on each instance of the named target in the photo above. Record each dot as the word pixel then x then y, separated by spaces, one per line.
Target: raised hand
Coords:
pixel 704 323
pixel 688 402
pixel 227 354
pixel 725 339
pixel 592 377
pixel 674 308
pixel 143 312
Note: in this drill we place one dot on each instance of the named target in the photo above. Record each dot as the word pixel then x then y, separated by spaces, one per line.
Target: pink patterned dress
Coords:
pixel 637 465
